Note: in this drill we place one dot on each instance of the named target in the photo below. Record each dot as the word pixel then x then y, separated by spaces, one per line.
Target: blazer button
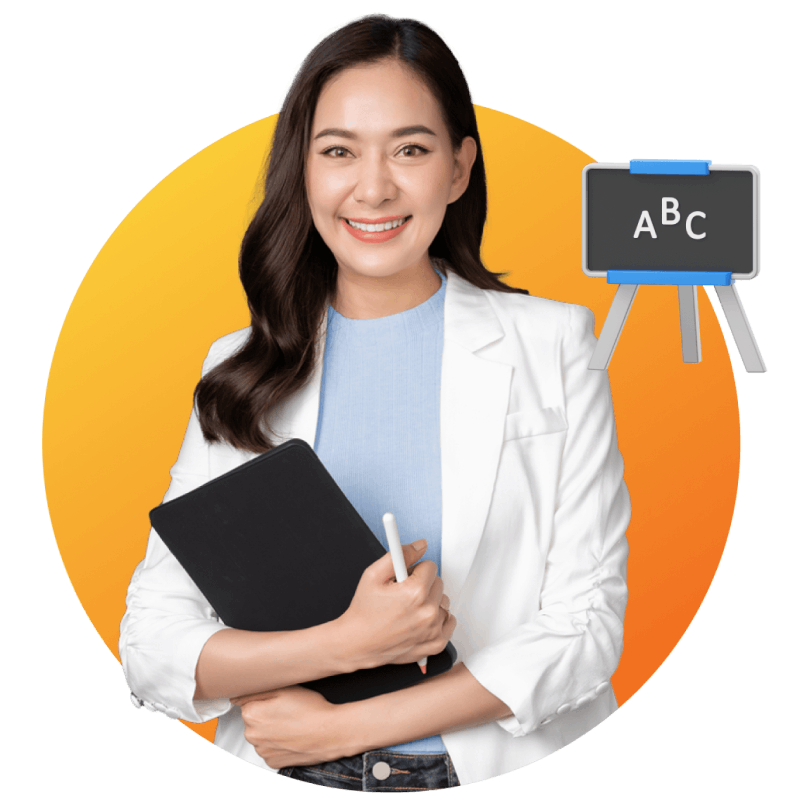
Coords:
pixel 149 705
pixel 173 713
pixel 381 771
pixel 602 687
pixel 546 721
pixel 137 703
pixel 160 707
pixel 563 709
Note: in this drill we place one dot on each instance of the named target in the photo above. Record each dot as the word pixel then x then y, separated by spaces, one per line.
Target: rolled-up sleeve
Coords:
pixel 565 656
pixel 168 620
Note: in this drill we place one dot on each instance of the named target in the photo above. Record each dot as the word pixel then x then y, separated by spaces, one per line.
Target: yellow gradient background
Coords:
pixel 165 285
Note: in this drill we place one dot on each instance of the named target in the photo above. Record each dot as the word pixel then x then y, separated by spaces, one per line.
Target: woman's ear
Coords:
pixel 465 158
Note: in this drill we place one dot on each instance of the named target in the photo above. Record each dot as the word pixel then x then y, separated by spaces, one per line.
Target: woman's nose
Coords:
pixel 374 182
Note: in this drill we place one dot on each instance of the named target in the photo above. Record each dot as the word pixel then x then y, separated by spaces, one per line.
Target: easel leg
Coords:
pixel 740 328
pixel 612 327
pixel 690 324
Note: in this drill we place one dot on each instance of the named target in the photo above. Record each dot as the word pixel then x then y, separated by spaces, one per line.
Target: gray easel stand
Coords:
pixel 690 326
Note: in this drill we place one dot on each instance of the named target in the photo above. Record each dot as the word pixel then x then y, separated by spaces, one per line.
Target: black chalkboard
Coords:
pixel 627 224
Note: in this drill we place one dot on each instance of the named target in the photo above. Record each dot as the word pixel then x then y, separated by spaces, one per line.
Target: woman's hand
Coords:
pixel 293 727
pixel 397 623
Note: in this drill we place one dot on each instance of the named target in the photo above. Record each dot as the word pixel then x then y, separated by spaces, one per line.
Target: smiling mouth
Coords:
pixel 378 227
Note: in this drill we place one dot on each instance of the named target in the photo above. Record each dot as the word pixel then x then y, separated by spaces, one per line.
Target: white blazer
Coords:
pixel 534 513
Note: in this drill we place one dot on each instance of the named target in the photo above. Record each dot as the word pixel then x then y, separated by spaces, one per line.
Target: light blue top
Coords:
pixel 378 426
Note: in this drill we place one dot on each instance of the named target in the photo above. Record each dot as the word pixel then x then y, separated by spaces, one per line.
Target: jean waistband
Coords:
pixel 380 771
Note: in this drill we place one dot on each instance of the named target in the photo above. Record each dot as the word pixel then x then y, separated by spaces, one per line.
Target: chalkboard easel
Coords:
pixel 609 249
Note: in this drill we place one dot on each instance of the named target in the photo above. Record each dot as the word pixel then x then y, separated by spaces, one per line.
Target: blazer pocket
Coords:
pixel 533 422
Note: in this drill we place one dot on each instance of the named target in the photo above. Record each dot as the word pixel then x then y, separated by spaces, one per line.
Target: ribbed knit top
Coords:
pixel 378 425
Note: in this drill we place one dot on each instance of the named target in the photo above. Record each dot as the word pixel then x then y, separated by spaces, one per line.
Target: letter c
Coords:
pixel 689 225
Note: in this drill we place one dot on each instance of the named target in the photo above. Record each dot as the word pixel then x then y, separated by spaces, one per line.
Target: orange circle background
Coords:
pixel 165 285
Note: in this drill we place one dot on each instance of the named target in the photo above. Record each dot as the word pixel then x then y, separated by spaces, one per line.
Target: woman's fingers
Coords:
pixel 449 626
pixel 382 570
pixel 390 622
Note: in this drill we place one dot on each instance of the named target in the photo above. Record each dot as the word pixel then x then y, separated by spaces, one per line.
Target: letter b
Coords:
pixel 669 211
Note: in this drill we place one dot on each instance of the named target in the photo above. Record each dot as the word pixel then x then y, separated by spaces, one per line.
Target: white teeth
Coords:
pixel 377 228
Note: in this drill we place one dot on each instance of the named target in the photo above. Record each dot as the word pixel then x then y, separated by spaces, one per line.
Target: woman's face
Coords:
pixel 380 156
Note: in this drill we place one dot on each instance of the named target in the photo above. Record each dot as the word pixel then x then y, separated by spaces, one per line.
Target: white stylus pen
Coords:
pixel 399 562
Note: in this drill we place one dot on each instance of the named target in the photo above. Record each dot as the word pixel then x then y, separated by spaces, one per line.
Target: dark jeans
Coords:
pixel 380 771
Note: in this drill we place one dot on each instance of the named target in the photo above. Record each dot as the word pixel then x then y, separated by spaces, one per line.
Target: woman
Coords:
pixel 371 311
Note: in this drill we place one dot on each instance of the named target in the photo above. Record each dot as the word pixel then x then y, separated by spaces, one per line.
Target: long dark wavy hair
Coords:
pixel 287 271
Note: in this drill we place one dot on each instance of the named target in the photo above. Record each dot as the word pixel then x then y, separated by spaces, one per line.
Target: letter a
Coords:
pixel 645 224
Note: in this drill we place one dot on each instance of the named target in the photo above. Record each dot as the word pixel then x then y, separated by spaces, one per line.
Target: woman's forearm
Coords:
pixel 442 704
pixel 234 662
pixel 386 622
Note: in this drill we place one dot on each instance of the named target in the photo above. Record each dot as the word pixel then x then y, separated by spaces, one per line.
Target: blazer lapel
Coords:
pixel 474 404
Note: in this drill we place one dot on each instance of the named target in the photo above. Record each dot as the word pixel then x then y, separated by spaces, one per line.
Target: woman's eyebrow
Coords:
pixel 410 130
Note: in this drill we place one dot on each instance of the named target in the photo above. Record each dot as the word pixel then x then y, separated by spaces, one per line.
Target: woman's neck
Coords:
pixel 360 296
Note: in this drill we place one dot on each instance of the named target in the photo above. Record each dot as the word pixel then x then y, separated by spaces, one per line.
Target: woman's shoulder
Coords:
pixel 224 347
pixel 540 315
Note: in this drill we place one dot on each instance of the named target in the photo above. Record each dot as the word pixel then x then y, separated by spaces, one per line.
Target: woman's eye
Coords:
pixel 412 150
pixel 336 152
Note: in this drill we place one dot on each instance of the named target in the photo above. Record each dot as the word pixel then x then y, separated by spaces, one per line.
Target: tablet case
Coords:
pixel 275 545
